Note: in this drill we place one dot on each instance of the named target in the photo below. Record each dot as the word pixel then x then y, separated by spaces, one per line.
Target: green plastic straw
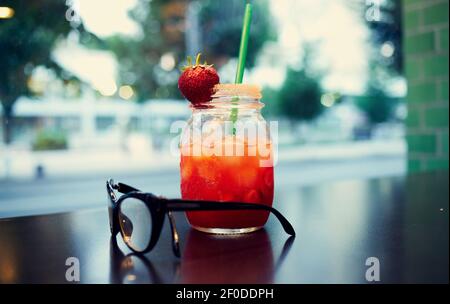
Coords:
pixel 242 55
pixel 244 42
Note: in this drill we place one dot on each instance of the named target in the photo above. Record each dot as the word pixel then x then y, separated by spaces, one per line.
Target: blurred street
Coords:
pixel 297 167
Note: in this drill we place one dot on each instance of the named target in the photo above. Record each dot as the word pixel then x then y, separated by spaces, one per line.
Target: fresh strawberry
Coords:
pixel 197 81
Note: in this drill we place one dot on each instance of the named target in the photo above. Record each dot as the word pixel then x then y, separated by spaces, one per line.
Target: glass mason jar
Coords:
pixel 226 156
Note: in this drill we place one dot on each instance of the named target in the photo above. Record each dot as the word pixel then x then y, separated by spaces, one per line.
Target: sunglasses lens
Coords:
pixel 135 223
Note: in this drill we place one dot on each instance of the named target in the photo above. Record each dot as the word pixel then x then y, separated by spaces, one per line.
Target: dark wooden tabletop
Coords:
pixel 401 221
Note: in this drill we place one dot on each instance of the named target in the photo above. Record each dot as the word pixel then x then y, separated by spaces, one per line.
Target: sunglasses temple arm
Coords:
pixel 175 237
pixel 188 205
pixel 124 188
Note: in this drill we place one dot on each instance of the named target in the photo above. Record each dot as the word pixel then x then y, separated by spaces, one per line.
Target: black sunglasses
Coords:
pixel 139 216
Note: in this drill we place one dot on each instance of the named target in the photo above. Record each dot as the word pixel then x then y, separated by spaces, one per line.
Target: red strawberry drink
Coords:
pixel 226 178
pixel 223 157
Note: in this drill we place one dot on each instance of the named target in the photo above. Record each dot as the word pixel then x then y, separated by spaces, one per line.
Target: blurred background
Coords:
pixel 88 90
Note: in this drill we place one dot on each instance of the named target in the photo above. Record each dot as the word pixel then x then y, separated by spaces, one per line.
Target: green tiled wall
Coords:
pixel 425 24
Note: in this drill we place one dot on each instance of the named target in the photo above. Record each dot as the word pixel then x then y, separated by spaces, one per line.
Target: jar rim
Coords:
pixel 237 90
pixel 227 103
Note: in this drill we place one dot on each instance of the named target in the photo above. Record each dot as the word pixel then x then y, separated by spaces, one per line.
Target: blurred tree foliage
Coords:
pixel 385 27
pixel 50 140
pixel 139 58
pixel 388 29
pixel 375 103
pixel 299 97
pixel 271 100
pixel 163 24
pixel 26 41
pixel 221 24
